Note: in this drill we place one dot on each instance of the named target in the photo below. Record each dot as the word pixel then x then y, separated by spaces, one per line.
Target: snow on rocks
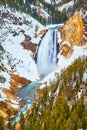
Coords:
pixel 5 84
pixel 63 63
pixel 16 25
pixel 66 6
pixel 14 59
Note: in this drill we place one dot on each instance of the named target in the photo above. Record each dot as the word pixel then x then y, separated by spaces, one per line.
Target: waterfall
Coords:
pixel 47 52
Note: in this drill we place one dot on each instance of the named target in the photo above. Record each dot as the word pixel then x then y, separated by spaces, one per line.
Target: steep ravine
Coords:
pixel 48 51
pixel 49 58
pixel 17 68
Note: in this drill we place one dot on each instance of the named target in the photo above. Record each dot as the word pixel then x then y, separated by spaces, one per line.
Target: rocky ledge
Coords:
pixel 74 32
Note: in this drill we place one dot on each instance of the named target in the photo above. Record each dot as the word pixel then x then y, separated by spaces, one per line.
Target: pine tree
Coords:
pixel 1 123
pixel 22 122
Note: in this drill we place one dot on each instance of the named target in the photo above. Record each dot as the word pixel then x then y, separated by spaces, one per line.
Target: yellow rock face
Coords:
pixel 73 30
pixel 3 114
pixel 8 107
pixel 42 32
pixel 66 50
pixel 16 81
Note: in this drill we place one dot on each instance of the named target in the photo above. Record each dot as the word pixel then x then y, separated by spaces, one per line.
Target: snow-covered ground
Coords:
pixel 40 10
pixel 66 6
pixel 13 26
pixel 14 56
pixel 64 62
pixel 48 1
pixel 53 1
pixel 24 64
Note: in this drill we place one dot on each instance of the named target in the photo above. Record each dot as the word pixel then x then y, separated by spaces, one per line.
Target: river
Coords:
pixel 46 62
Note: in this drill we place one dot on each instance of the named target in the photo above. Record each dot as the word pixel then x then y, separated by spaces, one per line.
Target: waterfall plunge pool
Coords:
pixel 46 62
pixel 28 94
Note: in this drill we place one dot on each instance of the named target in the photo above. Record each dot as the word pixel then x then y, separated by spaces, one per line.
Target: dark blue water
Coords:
pixel 29 92
pixel 46 62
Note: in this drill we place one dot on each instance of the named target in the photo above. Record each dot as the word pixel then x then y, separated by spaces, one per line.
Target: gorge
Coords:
pixel 23 80
pixel 46 62
pixel 47 53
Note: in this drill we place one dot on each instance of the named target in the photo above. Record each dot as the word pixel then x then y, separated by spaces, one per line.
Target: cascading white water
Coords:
pixel 47 52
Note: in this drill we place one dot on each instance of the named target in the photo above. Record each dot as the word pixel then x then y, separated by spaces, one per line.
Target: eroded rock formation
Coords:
pixel 74 32
pixel 27 44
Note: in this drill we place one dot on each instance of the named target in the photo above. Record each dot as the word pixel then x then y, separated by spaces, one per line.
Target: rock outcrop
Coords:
pixel 16 81
pixel 74 32
pixel 27 44
pixel 67 49
pixel 15 70
pixel 12 103
pixel 42 32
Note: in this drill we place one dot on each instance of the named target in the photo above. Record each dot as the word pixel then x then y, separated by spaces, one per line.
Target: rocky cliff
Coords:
pixel 74 32
pixel 17 67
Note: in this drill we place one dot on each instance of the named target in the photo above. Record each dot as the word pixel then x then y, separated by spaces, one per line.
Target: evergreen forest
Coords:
pixel 60 106
pixel 31 7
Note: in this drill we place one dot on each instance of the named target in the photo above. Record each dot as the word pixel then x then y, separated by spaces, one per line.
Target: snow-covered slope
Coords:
pixel 70 46
pixel 66 6
pixel 12 32
pixel 15 61
pixel 64 63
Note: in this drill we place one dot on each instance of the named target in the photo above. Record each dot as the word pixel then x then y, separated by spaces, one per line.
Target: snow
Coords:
pixel 66 6
pixel 57 91
pixel 48 1
pixel 39 7
pixel 2 96
pixel 85 16
pixel 51 1
pixel 23 110
pixel 25 65
pixel 14 54
pixel 85 76
pixel 14 103
pixel 29 28
pixel 84 37
pixel 24 1
pixel 42 86
pixel 24 68
pixel 15 106
pixel 52 26
pixel 6 83
pixel 44 13
pixel 64 62
pixel 79 94
pixel 58 1
pixel 35 40
pixel 66 43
